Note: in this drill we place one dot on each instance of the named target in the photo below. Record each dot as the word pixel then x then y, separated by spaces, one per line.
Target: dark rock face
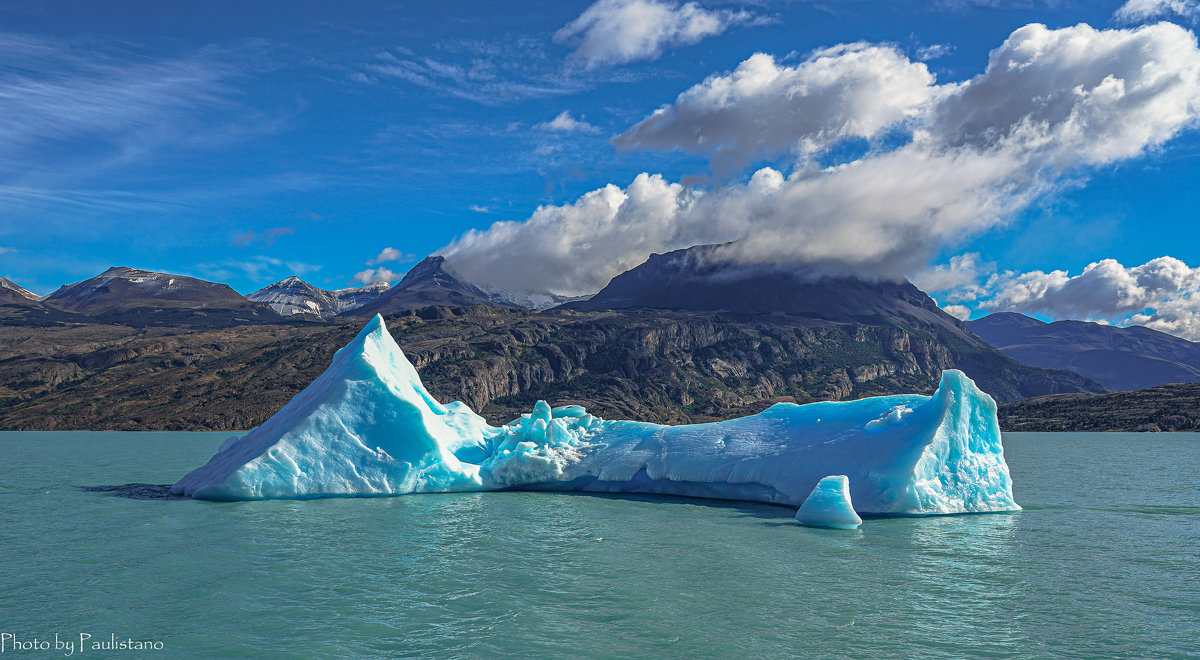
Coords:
pixel 430 282
pixel 669 366
pixel 1131 358
pixel 1164 408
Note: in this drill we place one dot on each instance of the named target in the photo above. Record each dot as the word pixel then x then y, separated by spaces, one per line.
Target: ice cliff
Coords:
pixel 367 427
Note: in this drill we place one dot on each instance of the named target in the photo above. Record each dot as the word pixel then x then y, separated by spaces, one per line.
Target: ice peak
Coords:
pixel 375 326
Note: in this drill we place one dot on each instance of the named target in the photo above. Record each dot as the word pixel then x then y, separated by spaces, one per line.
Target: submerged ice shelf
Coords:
pixel 367 426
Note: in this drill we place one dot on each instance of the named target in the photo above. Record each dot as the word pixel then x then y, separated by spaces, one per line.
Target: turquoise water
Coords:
pixel 1103 562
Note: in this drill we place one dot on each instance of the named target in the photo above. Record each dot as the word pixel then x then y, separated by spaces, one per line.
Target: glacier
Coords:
pixel 368 427
pixel 829 505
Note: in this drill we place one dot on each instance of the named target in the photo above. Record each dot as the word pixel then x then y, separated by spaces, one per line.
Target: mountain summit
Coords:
pixel 295 296
pixel 143 297
pixel 430 282
pixel 12 292
pixel 698 280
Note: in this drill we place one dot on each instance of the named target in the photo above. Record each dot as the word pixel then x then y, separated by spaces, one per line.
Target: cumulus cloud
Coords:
pixel 375 275
pixel 1141 10
pixel 1104 289
pixel 762 108
pixel 958 311
pixel 613 32
pixel 1163 294
pixel 390 255
pixel 565 123
pixel 1049 105
pixel 960 277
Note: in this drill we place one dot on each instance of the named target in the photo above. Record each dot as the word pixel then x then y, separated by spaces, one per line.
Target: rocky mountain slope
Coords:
pixel 140 298
pixel 670 366
pixel 295 296
pixel 1130 358
pixel 430 282
pixel 1164 408
pixel 10 290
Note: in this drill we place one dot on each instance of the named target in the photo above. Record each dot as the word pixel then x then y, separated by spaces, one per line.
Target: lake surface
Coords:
pixel 1103 562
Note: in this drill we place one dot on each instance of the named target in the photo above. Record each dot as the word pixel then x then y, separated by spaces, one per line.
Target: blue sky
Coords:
pixel 244 142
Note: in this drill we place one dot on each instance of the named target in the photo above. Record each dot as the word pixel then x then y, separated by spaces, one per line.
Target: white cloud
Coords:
pixel 958 311
pixel 960 277
pixel 1163 294
pixel 376 275
pixel 1105 289
pixel 390 255
pixel 490 73
pixel 613 32
pixel 763 109
pixel 934 51
pixel 53 91
pixel 565 123
pixel 300 269
pixel 1141 10
pixel 7 250
pixel 478 208
pixel 1050 104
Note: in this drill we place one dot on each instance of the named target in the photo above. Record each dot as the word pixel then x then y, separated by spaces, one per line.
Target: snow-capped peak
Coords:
pixel 295 296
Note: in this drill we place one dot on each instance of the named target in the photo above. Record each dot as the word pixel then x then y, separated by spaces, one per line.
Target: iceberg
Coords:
pixel 829 505
pixel 368 427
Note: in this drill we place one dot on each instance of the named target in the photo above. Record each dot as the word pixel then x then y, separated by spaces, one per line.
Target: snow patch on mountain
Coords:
pixel 295 296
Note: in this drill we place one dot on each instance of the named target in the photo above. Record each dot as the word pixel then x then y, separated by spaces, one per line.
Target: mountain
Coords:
pixel 1174 407
pixel 430 282
pixel 11 291
pixel 698 280
pixel 360 295
pixel 21 307
pixel 538 301
pixel 295 296
pixel 141 297
pixel 1132 358
pixel 647 363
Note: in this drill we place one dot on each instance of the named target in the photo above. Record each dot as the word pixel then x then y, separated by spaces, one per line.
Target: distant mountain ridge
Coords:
pixel 142 297
pixel 793 336
pixel 293 295
pixel 8 289
pixel 19 306
pixel 430 282
pixel 1132 358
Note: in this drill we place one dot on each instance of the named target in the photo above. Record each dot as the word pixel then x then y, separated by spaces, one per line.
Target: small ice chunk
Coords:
pixel 828 505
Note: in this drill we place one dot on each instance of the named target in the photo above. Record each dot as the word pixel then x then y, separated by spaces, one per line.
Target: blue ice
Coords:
pixel 829 505
pixel 368 427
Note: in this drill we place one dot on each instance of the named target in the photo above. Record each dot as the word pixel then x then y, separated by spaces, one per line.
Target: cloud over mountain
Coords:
pixel 1051 104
